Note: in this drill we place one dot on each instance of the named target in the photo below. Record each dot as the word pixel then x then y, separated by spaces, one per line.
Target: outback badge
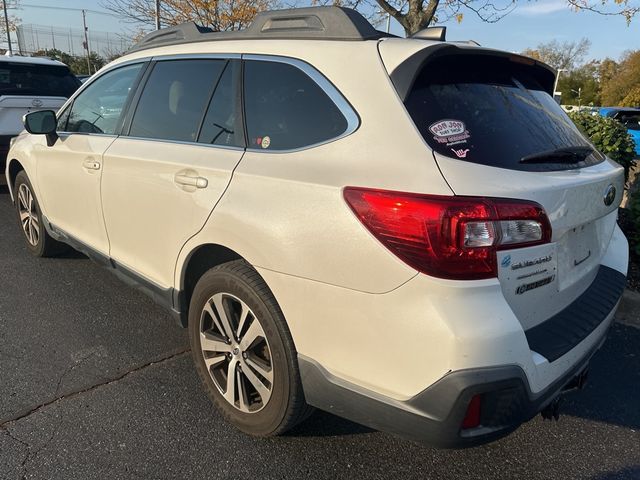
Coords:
pixel 609 195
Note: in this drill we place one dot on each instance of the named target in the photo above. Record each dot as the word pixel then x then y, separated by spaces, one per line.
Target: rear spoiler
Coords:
pixel 405 74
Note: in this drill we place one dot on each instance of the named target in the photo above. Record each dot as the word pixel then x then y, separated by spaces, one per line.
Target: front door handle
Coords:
pixel 190 180
pixel 91 165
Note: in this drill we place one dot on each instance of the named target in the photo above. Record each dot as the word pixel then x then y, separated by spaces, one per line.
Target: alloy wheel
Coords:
pixel 236 352
pixel 28 214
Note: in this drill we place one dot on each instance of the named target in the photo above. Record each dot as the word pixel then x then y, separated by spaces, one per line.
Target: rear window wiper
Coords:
pixel 559 155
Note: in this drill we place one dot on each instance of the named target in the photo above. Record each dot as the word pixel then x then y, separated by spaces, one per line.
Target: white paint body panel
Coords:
pixel 70 190
pixel 582 227
pixel 148 215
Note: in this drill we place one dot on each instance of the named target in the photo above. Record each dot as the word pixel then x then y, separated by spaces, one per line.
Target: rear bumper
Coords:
pixel 508 399
pixel 435 415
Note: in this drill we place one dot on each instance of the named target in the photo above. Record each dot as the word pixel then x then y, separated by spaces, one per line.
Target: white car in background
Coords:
pixel 28 84
pixel 409 233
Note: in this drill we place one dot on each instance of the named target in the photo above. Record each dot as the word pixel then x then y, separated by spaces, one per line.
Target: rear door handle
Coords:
pixel 190 181
pixel 91 165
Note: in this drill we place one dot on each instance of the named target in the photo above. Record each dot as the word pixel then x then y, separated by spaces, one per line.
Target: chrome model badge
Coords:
pixel 609 195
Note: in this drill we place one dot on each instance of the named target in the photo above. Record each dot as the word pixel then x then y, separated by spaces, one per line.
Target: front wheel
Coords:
pixel 243 351
pixel 39 242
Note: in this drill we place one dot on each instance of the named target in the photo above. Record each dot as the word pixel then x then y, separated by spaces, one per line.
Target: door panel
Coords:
pixel 158 194
pixel 69 172
pixel 69 179
pixel 158 191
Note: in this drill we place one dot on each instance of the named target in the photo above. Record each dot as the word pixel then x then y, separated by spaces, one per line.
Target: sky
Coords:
pixel 531 23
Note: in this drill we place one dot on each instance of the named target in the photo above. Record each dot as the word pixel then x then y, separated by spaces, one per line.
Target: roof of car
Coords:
pixel 310 23
pixel 30 60
pixel 605 110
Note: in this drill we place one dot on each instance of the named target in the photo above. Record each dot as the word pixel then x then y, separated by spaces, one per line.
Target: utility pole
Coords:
pixel 579 93
pixel 157 14
pixel 86 41
pixel 6 24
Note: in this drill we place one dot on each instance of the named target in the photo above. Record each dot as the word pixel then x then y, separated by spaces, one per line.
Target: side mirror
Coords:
pixel 42 122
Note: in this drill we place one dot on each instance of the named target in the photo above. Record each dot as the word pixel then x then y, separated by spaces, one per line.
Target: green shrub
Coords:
pixel 609 136
pixel 633 207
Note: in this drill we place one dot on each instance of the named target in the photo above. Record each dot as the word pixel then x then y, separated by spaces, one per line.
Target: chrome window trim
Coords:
pixel 352 118
pixel 350 115
pixel 68 134
pixel 196 56
pixel 182 142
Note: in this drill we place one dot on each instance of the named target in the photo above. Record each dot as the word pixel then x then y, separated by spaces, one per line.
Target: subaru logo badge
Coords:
pixel 36 102
pixel 609 195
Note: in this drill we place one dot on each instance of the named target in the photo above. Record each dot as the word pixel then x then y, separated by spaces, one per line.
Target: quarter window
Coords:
pixel 99 107
pixel 174 99
pixel 285 109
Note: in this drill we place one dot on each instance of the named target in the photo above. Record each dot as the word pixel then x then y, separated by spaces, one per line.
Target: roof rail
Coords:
pixel 322 23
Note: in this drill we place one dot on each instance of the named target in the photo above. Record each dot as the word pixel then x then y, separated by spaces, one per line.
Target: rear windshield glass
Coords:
pixel 45 80
pixel 631 120
pixel 491 111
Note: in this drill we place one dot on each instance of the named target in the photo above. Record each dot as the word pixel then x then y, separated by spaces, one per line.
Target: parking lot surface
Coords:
pixel 97 383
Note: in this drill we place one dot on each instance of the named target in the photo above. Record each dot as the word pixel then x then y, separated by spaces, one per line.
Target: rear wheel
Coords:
pixel 243 351
pixel 39 242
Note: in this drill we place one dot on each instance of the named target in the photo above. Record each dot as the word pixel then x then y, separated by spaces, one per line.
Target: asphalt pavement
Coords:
pixel 97 383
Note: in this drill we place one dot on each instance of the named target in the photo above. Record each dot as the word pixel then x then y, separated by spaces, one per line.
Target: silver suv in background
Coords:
pixel 28 84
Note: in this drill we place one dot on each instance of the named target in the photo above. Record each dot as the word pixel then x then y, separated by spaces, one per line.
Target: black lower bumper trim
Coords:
pixel 559 334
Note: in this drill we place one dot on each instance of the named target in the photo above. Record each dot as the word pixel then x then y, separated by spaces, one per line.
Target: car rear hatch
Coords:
pixel 25 87
pixel 495 131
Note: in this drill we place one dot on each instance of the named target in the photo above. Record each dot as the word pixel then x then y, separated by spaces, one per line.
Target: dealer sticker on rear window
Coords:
pixel 450 132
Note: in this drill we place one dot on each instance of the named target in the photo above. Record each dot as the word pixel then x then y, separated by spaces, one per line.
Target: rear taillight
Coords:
pixel 449 237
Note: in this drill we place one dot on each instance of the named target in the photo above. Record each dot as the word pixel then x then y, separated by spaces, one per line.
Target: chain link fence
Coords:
pixel 33 38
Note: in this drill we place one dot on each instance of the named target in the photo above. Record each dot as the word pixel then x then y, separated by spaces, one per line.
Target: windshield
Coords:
pixel 29 79
pixel 491 111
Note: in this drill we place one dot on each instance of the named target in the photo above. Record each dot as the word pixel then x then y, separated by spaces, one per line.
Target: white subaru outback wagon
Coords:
pixel 409 233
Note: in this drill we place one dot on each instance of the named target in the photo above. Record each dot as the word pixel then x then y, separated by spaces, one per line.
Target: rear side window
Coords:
pixel 491 111
pixel 45 80
pixel 285 109
pixel 98 108
pixel 222 125
pixel 175 98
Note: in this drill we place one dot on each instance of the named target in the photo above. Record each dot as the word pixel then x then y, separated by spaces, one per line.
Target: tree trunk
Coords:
pixel 417 17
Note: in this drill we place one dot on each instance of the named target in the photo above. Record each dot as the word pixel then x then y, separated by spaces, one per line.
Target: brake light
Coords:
pixel 449 237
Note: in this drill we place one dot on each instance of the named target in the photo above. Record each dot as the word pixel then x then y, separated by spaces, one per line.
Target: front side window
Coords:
pixel 175 98
pixel 285 109
pixel 98 108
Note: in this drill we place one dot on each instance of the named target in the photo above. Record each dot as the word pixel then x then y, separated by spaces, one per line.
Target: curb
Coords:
pixel 629 310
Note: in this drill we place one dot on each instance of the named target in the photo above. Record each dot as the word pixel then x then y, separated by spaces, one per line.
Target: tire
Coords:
pixel 259 351
pixel 38 241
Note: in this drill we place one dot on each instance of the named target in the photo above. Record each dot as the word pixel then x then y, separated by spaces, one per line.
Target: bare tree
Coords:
pixel 565 55
pixel 414 15
pixel 220 15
